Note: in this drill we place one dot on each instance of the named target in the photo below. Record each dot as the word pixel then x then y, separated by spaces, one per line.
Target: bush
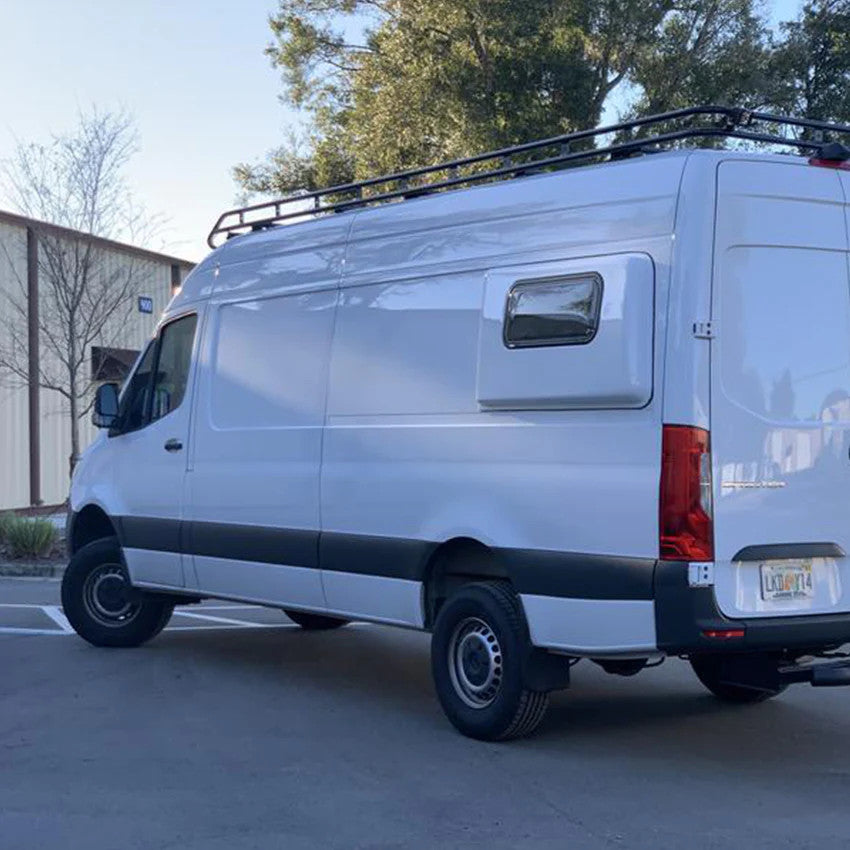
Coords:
pixel 31 538
pixel 6 520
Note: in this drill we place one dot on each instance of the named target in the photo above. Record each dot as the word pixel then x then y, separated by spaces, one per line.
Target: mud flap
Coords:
pixel 545 671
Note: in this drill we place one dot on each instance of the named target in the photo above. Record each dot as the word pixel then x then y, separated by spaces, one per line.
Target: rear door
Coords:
pixel 780 390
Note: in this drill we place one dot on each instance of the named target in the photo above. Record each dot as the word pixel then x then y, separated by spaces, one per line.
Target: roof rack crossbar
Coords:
pixel 728 123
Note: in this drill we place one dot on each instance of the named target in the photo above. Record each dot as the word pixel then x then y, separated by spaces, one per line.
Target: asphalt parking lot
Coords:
pixel 234 729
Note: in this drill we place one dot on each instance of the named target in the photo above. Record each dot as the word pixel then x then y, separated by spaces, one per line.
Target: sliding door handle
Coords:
pixel 173 445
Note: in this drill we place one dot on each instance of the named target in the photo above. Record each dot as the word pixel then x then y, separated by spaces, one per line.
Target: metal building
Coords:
pixel 35 441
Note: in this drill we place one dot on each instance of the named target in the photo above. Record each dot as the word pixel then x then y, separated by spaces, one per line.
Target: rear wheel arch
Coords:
pixel 454 563
pixel 89 524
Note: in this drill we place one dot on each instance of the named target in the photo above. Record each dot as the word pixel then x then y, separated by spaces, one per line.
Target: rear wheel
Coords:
pixel 314 622
pixel 102 605
pixel 711 671
pixel 478 651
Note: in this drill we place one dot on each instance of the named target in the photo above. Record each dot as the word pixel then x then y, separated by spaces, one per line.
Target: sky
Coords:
pixel 193 75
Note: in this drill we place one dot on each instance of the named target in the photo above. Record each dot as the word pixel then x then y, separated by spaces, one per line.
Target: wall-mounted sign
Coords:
pixel 145 304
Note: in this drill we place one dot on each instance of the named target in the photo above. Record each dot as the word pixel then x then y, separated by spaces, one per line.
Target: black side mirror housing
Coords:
pixel 105 413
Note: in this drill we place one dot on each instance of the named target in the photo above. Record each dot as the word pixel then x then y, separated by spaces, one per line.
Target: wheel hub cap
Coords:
pixel 475 663
pixel 107 596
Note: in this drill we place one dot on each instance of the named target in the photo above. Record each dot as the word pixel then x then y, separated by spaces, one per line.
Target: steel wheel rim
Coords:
pixel 475 663
pixel 107 598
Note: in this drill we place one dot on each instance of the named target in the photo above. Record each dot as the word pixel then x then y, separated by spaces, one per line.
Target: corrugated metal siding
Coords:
pixel 55 417
pixel 14 430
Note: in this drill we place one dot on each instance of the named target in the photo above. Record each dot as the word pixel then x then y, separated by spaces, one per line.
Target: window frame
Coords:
pixel 157 342
pixel 550 342
pixel 148 416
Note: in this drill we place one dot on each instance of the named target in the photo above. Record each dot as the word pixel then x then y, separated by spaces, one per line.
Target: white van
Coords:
pixel 595 412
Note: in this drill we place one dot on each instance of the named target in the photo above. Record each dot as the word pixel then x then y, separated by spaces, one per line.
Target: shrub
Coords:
pixel 6 520
pixel 31 538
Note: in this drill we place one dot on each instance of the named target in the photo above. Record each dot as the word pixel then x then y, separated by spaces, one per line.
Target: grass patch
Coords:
pixel 29 538
pixel 7 519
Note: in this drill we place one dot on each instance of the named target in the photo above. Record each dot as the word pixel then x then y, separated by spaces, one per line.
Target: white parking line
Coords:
pixel 18 605
pixel 227 620
pixel 55 613
pixel 224 628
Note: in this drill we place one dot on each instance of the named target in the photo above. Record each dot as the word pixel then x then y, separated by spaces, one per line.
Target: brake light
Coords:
pixel 686 529
pixel 830 163
pixel 724 634
pixel 833 155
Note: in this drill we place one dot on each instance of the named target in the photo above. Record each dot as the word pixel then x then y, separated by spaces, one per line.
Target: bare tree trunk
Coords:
pixel 74 403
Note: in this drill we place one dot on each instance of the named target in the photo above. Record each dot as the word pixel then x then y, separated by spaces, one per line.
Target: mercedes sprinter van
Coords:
pixel 560 413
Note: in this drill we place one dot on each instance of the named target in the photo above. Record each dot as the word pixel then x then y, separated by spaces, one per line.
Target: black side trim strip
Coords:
pixel 139 532
pixel 389 557
pixel 577 576
pixel 532 571
pixel 293 547
pixel 780 551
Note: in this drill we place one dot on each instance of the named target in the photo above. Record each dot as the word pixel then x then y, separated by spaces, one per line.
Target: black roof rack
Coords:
pixel 628 139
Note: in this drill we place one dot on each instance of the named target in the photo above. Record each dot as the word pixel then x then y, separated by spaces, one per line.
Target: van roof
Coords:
pixel 642 177
pixel 651 134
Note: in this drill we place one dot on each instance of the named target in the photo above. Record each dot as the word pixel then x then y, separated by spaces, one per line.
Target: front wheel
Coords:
pixel 101 604
pixel 478 651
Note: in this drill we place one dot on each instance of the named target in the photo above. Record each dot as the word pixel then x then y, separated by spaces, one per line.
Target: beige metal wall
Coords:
pixel 14 418
pixel 55 419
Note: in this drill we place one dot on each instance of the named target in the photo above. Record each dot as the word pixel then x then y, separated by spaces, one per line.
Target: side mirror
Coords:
pixel 105 406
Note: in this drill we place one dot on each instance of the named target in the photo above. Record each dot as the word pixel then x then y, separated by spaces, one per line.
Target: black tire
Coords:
pixel 709 670
pixel 314 622
pixel 478 652
pixel 102 606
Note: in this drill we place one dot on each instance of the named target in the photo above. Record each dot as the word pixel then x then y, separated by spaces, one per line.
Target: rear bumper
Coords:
pixel 683 613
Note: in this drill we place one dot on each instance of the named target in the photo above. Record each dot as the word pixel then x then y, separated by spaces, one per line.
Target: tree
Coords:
pixel 714 52
pixel 76 181
pixel 811 65
pixel 431 80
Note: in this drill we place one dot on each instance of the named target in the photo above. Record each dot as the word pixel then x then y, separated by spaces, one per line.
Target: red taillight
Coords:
pixel 724 634
pixel 844 165
pixel 686 530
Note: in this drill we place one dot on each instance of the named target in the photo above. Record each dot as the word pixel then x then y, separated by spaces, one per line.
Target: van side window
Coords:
pixel 173 363
pixel 563 311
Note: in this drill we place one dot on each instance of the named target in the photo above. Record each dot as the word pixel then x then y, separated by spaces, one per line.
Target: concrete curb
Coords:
pixel 32 569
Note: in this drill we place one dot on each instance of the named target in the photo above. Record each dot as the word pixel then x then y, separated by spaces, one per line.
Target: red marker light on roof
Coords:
pixel 833 155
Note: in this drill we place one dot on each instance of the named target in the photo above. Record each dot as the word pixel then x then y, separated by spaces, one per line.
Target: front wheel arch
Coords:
pixel 87 525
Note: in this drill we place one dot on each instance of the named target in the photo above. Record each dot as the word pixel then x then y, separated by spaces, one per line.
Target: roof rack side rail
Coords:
pixel 718 122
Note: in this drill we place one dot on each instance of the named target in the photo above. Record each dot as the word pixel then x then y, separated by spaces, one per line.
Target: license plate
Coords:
pixel 787 581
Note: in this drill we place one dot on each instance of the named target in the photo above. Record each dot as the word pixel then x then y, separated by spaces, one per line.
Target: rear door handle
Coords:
pixel 173 445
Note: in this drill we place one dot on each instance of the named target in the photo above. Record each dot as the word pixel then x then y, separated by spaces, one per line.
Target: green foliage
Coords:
pixel 704 53
pixel 431 80
pixel 810 69
pixel 389 84
pixel 6 521
pixel 30 538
